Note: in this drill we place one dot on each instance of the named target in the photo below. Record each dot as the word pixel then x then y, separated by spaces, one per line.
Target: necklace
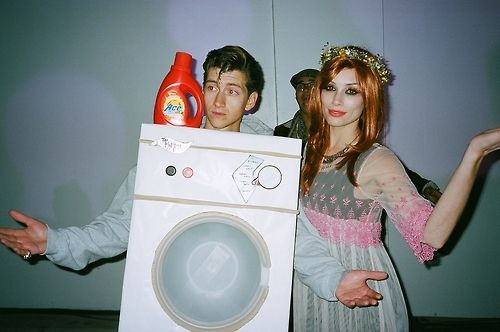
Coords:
pixel 330 159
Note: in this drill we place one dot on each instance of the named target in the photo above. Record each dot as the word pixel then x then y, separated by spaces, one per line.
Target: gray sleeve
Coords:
pixel 313 264
pixel 104 237
pixel 250 124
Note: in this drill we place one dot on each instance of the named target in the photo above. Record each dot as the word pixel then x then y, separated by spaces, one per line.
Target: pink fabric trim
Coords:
pixel 410 220
pixel 346 231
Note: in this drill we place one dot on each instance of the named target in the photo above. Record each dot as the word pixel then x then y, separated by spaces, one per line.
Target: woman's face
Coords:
pixel 341 100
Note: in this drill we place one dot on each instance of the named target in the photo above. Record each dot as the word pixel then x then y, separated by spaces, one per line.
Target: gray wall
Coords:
pixel 79 77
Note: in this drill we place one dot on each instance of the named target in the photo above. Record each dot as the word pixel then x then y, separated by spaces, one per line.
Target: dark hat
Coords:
pixel 303 73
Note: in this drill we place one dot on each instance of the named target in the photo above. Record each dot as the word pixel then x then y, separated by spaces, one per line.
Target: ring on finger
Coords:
pixel 27 256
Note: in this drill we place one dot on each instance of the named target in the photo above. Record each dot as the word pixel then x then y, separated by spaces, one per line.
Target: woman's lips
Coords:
pixel 336 113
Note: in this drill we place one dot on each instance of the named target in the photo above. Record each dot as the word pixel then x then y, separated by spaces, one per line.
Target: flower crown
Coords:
pixel 375 62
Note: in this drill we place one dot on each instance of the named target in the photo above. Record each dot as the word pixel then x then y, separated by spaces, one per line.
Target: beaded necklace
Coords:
pixel 330 159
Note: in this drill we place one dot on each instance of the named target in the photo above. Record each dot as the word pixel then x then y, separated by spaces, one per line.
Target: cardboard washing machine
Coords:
pixel 212 232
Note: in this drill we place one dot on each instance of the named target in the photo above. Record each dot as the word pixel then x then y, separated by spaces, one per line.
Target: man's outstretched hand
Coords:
pixel 353 291
pixel 26 241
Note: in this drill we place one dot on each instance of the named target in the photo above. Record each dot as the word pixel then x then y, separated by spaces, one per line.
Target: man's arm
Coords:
pixel 75 247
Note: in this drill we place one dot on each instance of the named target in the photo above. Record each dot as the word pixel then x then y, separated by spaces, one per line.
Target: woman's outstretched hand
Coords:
pixel 484 143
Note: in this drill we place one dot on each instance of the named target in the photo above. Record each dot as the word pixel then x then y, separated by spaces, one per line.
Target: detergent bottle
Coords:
pixel 172 104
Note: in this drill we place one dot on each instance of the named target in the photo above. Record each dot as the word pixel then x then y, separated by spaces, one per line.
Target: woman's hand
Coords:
pixel 484 143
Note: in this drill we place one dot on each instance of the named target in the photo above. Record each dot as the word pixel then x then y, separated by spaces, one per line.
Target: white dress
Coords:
pixel 341 231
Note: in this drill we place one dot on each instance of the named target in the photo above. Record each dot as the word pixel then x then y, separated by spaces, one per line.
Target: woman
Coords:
pixel 347 179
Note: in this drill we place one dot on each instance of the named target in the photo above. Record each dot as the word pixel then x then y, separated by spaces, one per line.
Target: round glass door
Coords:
pixel 211 272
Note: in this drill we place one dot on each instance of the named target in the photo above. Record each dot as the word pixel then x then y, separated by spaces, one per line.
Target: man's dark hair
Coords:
pixel 229 58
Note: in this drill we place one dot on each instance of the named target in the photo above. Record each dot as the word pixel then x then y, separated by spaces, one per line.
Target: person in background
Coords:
pixel 298 127
pixel 348 178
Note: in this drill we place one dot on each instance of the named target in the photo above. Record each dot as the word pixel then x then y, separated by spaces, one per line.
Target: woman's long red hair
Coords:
pixel 370 124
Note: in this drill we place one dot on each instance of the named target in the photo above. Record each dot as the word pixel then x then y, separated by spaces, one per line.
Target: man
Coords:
pixel 298 126
pixel 232 83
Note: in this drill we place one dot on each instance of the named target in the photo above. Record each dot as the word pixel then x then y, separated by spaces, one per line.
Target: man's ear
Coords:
pixel 252 100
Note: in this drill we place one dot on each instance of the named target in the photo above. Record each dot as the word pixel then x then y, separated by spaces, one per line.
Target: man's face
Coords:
pixel 303 90
pixel 226 99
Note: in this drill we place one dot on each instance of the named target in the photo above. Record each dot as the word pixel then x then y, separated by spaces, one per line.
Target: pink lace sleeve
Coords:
pixel 409 217
pixel 383 178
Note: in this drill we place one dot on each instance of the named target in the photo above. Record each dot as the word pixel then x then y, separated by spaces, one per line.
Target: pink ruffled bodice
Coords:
pixel 349 216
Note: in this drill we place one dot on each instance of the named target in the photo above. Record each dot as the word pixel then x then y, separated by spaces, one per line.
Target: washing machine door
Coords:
pixel 211 272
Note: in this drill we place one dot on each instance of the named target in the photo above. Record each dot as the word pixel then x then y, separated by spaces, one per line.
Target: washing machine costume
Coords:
pixel 212 233
pixel 214 214
pixel 210 236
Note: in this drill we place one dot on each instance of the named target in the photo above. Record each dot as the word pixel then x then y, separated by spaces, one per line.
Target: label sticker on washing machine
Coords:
pixel 171 145
pixel 243 176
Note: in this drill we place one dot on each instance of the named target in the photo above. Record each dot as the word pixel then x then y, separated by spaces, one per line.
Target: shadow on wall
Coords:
pixel 87 270
pixel 71 195
pixel 493 71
